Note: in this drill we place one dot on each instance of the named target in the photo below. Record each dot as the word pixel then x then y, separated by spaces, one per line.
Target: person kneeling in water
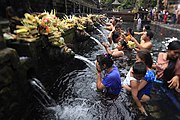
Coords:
pixel 110 84
pixel 132 83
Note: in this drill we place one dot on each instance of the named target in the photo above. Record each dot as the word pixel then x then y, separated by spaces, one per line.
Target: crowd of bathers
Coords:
pixel 140 78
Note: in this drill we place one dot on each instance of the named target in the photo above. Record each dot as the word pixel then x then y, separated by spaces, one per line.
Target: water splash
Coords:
pixel 78 109
pixel 89 63
pixel 97 41
pixel 168 40
pixel 100 32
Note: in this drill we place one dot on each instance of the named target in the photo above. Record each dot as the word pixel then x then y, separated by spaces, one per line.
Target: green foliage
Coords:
pixel 129 4
pixel 107 1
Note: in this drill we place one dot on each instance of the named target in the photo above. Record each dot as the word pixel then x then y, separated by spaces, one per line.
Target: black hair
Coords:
pixel 124 44
pixel 150 34
pixel 105 59
pixel 118 25
pixel 174 45
pixel 145 55
pixel 117 20
pixel 139 68
pixel 169 72
pixel 147 27
pixel 130 30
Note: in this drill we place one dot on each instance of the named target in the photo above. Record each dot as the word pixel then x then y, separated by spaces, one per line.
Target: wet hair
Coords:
pixel 124 44
pixel 174 45
pixel 169 72
pixel 118 25
pixel 147 27
pixel 145 56
pixel 116 20
pixel 139 68
pixel 130 30
pixel 105 59
pixel 150 34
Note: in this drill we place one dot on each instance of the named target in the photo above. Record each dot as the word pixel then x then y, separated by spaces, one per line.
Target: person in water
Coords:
pixel 128 34
pixel 110 84
pixel 167 66
pixel 145 85
pixel 133 81
pixel 145 42
pixel 145 29
pixel 110 26
pixel 114 35
pixel 118 51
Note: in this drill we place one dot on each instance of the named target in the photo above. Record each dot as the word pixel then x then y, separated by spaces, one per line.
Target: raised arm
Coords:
pixel 147 45
pixel 99 84
pixel 139 33
pixel 108 50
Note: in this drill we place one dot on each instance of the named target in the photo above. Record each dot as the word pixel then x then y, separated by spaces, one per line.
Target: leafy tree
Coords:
pixel 129 4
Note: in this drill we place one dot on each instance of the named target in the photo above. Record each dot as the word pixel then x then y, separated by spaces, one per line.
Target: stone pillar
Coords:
pixel 74 7
pixel 157 5
pixel 54 4
pixel 83 7
pixel 87 10
pixel 79 10
pixel 65 3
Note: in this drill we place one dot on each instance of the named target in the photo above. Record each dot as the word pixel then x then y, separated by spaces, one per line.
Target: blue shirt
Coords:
pixel 112 81
pixel 149 77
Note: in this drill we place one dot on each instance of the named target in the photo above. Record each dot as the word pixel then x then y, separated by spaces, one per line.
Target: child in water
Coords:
pixel 118 51
pixel 110 84
pixel 132 83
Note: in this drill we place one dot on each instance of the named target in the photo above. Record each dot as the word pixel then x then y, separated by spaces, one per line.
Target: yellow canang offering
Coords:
pixel 131 44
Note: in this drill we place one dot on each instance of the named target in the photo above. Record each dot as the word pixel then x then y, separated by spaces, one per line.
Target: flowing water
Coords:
pixel 103 36
pixel 99 43
pixel 40 94
pixel 75 92
pixel 89 63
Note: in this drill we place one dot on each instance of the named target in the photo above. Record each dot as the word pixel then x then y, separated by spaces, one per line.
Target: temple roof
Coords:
pixel 116 2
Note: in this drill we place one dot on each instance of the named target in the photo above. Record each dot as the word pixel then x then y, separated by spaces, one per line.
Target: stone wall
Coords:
pixel 13 80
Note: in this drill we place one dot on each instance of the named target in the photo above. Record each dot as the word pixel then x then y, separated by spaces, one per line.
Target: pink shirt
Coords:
pixel 161 64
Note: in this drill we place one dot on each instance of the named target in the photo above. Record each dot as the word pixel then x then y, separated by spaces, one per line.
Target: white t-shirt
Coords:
pixel 129 78
pixel 139 20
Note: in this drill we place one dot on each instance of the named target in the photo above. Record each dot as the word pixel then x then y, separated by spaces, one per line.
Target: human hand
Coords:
pixel 174 83
pixel 123 35
pixel 98 68
pixel 143 110
pixel 106 45
pixel 178 90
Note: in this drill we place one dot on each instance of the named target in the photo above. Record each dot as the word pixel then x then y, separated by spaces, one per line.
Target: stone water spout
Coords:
pixel 39 93
pixel 56 52
pixel 81 35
